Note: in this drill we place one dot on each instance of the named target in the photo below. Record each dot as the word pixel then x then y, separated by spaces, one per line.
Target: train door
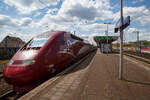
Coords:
pixel 52 57
pixel 63 51
pixel 69 48
pixel 61 58
pixel 60 55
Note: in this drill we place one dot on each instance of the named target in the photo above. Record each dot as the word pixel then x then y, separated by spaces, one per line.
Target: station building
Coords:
pixel 105 43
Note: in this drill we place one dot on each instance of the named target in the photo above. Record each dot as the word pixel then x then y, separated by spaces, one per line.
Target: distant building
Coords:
pixel 105 43
pixel 9 46
pixel 10 41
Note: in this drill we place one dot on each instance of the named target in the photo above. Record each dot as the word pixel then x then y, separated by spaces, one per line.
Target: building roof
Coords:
pixel 9 40
pixel 105 39
pixel 13 39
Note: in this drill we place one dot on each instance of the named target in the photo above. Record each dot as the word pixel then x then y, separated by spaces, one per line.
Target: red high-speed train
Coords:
pixel 43 55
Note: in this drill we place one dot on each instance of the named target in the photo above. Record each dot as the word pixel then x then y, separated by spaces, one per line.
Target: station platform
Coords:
pixel 96 78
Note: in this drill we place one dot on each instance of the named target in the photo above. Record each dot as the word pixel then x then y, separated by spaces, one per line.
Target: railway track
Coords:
pixel 7 94
pixel 138 57
pixel 10 95
pixel 1 75
pixel 144 57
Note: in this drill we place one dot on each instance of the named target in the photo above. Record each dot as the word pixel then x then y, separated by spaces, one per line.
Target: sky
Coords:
pixel 28 18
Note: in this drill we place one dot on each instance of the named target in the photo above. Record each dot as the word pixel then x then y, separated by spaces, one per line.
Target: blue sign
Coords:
pixel 122 25
pixel 126 22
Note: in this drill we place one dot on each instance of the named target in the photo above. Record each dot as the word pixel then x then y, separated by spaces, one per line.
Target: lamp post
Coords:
pixel 107 33
pixel 138 42
pixel 74 32
pixel 107 28
pixel 76 27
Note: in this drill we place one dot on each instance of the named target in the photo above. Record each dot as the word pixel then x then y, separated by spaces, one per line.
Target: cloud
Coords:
pixel 131 34
pixel 94 27
pixel 137 1
pixel 82 12
pixel 26 21
pixel 52 11
pixel 82 16
pixel 98 27
pixel 27 6
pixel 72 15
pixel 72 12
pixel 141 14
pixel 37 14
pixel 8 21
pixel 66 17
pixel 18 27
pixel 57 20
pixel 13 22
pixel 86 9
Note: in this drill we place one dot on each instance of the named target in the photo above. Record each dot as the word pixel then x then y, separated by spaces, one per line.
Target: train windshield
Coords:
pixel 38 42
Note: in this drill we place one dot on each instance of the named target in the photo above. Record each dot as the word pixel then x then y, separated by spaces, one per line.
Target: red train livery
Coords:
pixel 43 55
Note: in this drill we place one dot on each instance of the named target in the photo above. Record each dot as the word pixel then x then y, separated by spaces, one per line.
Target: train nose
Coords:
pixel 11 74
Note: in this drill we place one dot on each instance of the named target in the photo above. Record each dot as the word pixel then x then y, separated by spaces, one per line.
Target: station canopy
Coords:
pixel 105 39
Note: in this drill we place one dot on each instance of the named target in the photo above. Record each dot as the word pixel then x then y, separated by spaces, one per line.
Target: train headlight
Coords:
pixel 28 62
pixel 10 62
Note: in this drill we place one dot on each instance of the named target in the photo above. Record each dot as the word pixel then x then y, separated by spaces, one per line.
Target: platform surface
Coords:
pixel 97 79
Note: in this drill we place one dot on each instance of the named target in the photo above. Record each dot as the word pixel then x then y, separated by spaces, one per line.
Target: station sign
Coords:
pixel 120 25
pixel 104 37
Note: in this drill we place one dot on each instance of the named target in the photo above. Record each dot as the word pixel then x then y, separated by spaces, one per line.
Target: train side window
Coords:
pixel 62 42
pixel 75 37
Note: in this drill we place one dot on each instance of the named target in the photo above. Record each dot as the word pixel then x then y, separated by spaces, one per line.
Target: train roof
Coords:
pixel 50 33
pixel 59 32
